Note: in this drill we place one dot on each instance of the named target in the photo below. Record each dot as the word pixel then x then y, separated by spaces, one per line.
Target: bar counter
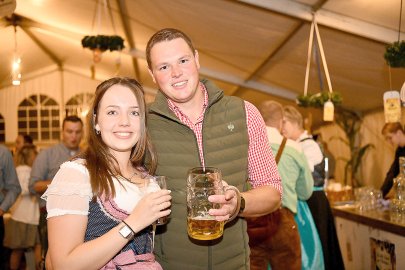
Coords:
pixel 369 239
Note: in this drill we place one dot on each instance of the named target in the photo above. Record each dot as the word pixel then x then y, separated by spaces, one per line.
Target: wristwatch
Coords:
pixel 127 232
pixel 242 204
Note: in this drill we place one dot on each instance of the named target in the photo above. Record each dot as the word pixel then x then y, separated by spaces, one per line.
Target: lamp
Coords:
pixel 100 43
pixel 16 66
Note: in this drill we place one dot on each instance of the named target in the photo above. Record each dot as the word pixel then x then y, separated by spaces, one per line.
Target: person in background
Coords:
pixel 47 164
pixel 21 234
pixel 282 249
pixel 9 190
pixel 393 133
pixel 192 123
pixel 20 141
pixel 98 216
pixel 318 203
pixel 330 162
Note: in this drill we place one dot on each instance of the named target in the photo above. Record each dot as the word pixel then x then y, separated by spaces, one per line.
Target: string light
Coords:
pixel 16 66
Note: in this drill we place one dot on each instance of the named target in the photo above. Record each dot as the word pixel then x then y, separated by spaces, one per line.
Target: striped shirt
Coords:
pixel 262 168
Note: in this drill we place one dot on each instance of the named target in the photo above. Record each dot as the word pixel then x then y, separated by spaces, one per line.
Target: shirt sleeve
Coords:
pixel 11 184
pixel 305 182
pixel 261 164
pixel 70 191
pixel 38 171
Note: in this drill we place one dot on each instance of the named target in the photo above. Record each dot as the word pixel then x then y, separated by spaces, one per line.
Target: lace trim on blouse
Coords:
pixel 70 191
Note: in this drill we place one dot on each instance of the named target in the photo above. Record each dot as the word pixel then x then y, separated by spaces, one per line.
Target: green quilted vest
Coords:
pixel 225 141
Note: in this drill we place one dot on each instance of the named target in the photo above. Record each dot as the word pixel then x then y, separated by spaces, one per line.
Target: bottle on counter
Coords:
pixel 397 206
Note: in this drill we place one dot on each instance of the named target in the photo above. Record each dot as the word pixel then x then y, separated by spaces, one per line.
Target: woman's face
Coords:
pixel 394 138
pixel 290 130
pixel 19 142
pixel 119 119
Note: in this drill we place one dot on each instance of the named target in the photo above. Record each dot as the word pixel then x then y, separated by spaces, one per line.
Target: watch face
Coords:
pixel 126 232
pixel 242 204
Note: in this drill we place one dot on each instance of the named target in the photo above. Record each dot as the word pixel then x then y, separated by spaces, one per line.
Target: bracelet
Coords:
pixel 235 214
pixel 128 226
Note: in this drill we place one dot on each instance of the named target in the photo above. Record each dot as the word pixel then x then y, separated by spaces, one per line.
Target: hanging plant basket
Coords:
pixel 103 43
pixel 318 100
pixel 395 54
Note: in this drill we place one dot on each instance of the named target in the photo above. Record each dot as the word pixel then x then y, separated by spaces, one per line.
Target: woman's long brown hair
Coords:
pixel 101 164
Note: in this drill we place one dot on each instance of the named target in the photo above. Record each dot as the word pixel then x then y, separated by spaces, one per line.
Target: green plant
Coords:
pixel 103 43
pixel 350 122
pixel 319 99
pixel 395 54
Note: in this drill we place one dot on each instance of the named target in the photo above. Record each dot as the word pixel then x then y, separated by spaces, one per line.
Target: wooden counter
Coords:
pixel 378 219
pixel 369 239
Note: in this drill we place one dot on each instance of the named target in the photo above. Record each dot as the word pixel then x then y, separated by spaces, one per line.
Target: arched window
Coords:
pixel 2 129
pixel 79 105
pixel 38 116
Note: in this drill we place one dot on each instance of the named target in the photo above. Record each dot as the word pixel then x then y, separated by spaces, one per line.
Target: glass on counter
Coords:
pixel 397 211
pixel 397 205
pixel 337 193
pixel 367 198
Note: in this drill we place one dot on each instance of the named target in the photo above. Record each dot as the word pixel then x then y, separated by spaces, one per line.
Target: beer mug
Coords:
pixel 201 183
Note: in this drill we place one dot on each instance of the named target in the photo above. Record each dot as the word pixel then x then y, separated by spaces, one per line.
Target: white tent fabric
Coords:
pixel 253 49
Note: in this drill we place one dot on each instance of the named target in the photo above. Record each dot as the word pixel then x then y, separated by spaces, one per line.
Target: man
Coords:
pixel 193 124
pixel 318 203
pixel 282 248
pixel 47 164
pixel 9 190
pixel 394 133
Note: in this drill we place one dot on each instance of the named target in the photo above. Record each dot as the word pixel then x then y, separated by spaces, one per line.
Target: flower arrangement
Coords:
pixel 103 43
pixel 319 99
pixel 395 54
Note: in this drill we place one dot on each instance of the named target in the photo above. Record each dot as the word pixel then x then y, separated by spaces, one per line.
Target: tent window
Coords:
pixel 2 129
pixel 38 116
pixel 79 105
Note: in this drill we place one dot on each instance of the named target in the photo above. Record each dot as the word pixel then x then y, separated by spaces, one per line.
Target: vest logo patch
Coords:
pixel 231 126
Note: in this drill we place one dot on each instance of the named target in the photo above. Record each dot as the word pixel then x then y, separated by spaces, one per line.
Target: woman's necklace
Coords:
pixel 134 181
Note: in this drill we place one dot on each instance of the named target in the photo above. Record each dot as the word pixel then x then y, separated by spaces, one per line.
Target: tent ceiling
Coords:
pixel 254 49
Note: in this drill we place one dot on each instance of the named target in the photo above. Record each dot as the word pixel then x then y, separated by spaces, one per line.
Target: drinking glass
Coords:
pixel 201 183
pixel 156 183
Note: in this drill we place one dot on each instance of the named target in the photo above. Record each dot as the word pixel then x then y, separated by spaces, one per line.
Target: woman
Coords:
pixel 21 232
pixel 318 203
pixel 98 216
pixel 394 133
pixel 20 141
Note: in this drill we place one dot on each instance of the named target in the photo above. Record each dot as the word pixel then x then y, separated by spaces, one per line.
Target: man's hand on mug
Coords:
pixel 230 203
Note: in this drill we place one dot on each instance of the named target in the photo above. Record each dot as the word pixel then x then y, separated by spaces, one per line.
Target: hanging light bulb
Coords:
pixel 16 66
pixel 16 71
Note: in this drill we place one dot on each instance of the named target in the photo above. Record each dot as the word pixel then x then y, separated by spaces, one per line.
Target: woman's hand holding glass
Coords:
pixel 153 184
pixel 153 206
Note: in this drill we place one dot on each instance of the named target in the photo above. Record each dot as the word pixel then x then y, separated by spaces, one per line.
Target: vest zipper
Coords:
pixel 209 258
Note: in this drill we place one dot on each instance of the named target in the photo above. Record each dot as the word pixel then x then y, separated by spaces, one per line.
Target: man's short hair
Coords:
pixel 71 118
pixel 272 112
pixel 166 34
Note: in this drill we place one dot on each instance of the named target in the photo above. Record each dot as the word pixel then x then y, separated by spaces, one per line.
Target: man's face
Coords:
pixel 72 134
pixel 174 68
